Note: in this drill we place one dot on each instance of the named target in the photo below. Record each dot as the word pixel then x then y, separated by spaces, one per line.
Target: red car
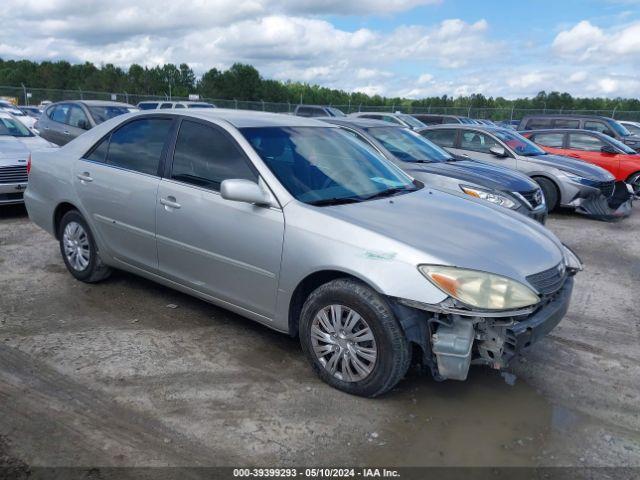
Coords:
pixel 593 147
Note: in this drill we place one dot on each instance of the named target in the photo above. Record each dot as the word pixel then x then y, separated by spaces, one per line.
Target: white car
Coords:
pixel 16 144
pixel 633 127
pixel 9 107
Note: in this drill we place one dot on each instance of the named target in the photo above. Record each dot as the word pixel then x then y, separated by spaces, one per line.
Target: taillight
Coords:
pixel 29 164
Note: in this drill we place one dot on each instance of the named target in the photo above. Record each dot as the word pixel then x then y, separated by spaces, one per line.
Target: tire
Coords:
pixel 86 266
pixel 550 192
pixel 634 181
pixel 392 350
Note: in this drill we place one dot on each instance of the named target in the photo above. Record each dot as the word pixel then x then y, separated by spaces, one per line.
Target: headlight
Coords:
pixel 480 289
pixel 571 260
pixel 491 197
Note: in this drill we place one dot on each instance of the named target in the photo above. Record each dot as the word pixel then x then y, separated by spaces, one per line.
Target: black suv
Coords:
pixel 596 123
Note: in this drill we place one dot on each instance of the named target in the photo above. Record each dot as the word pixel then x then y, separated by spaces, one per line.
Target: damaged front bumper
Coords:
pixel 453 339
pixel 594 203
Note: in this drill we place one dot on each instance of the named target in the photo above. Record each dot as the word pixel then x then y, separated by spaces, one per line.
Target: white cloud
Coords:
pixel 425 78
pixel 586 42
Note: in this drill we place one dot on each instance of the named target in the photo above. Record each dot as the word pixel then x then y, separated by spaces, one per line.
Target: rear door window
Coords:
pixel 553 140
pixel 166 105
pixel 538 123
pixel 205 156
pixel 566 123
pixel 59 113
pixel 583 141
pixel 444 138
pixel 77 117
pixel 138 145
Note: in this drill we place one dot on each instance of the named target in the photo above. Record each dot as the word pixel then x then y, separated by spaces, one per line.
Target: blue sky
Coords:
pixel 410 48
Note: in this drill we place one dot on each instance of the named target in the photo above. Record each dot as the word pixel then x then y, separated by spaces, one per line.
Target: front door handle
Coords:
pixel 85 177
pixel 170 203
pixel 66 132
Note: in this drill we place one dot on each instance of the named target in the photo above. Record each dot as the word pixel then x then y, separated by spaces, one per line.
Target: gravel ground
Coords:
pixel 109 375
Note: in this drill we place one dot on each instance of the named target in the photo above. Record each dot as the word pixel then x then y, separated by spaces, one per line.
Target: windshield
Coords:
pixel 407 145
pixel 412 121
pixel 14 128
pixel 324 165
pixel 619 128
pixel 336 112
pixel 104 113
pixel 519 144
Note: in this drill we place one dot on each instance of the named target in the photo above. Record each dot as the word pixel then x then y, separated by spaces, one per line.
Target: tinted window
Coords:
pixel 77 117
pixel 372 116
pixel 582 141
pixel 633 128
pixel 311 112
pixel 99 152
pixel 538 123
pixel 519 144
pixel 59 113
pixel 598 127
pixel 477 142
pixel 566 123
pixel 147 106
pixel 205 156
pixel 444 138
pixel 389 118
pixel 166 105
pixel 14 128
pixel 179 105
pixel 200 105
pixel 138 145
pixel 554 140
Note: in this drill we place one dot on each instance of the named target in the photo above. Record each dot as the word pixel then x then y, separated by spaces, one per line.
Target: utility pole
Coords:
pixel 24 89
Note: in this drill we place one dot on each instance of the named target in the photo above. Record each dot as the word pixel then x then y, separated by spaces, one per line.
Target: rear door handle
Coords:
pixel 169 203
pixel 85 177
pixel 66 132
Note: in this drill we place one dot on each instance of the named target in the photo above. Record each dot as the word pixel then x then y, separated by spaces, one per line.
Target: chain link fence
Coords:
pixel 34 96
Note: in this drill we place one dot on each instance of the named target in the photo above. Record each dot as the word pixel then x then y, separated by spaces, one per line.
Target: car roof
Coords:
pixel 566 130
pixel 565 115
pixel 358 122
pixel 469 126
pixel 242 118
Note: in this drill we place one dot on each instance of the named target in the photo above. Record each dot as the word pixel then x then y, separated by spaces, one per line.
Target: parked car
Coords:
pixel 371 267
pixel 512 124
pixel 8 107
pixel 434 166
pixel 163 105
pixel 317 111
pixel 31 111
pixel 566 182
pixel 435 119
pixel 633 127
pixel 61 122
pixel 593 147
pixel 595 123
pixel 402 119
pixel 16 144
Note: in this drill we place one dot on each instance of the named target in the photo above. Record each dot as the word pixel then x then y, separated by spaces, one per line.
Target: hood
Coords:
pixel 454 230
pixel 575 167
pixel 12 151
pixel 483 174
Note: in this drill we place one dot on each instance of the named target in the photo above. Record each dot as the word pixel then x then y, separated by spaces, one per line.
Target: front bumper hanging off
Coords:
pixel 615 207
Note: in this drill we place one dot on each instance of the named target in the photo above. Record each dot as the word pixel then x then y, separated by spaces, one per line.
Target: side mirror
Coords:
pixel 83 124
pixel 498 151
pixel 245 191
pixel 608 149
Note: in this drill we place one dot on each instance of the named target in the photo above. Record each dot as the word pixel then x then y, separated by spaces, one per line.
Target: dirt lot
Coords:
pixel 110 375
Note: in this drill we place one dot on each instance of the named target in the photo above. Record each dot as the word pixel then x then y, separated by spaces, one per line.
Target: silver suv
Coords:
pixel 297 225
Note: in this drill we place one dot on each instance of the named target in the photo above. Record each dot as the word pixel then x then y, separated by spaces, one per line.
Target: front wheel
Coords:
pixel 634 181
pixel 79 250
pixel 352 339
pixel 550 192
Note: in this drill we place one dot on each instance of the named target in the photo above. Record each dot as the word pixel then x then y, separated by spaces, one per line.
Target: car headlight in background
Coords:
pixel 489 196
pixel 571 260
pixel 480 289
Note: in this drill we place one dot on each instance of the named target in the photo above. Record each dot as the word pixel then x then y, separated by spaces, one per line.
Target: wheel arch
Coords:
pixel 59 212
pixel 553 181
pixel 307 285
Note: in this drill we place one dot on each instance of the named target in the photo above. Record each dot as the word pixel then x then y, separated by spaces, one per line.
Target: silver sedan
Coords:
pixel 293 223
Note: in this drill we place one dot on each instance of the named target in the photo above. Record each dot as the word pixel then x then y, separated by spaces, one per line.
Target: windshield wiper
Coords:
pixel 389 192
pixel 334 201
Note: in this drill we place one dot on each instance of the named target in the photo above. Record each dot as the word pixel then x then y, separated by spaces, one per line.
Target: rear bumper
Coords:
pixel 525 333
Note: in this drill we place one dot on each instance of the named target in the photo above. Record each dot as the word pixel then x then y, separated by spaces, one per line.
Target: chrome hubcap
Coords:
pixel 635 184
pixel 76 246
pixel 343 343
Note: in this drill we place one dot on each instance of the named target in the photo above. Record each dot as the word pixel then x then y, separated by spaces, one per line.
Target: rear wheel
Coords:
pixel 634 181
pixel 352 339
pixel 550 192
pixel 79 250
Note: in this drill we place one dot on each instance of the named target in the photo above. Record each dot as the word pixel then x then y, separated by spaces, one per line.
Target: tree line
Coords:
pixel 244 82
